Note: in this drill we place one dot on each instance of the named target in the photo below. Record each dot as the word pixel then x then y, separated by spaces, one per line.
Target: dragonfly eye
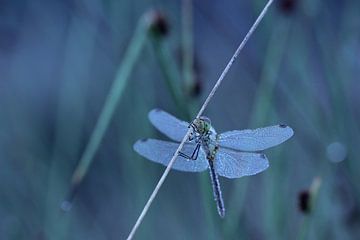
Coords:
pixel 204 124
pixel 205 119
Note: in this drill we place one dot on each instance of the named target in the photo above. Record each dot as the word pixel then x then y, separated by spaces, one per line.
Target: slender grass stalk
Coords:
pixel 187 45
pixel 188 78
pixel 216 86
pixel 168 67
pixel 265 96
pixel 68 130
pixel 171 75
pixel 131 56
pixel 342 116
pixel 269 76
pixel 261 111
pixel 314 191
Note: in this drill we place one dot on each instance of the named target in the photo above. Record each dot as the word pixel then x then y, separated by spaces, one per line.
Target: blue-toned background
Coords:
pixel 58 63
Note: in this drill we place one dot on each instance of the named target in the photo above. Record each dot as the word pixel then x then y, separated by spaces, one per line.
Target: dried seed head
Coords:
pixel 196 88
pixel 306 198
pixel 158 24
pixel 287 6
pixel 304 201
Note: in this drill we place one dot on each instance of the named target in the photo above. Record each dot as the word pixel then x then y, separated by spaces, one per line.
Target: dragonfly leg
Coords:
pixel 191 137
pixel 193 156
pixel 193 126
pixel 194 135
pixel 181 154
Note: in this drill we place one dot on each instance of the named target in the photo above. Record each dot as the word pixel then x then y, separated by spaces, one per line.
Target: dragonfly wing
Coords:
pixel 162 152
pixel 256 139
pixel 233 164
pixel 169 125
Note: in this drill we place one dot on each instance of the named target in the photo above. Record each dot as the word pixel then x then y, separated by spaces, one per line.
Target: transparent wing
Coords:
pixel 257 139
pixel 162 152
pixel 233 164
pixel 168 124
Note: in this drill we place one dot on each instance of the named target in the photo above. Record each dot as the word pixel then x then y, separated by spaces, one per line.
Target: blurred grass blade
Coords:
pixel 313 195
pixel 171 75
pixel 174 83
pixel 70 117
pixel 202 109
pixel 122 76
pixel 192 106
pixel 187 45
pixel 262 110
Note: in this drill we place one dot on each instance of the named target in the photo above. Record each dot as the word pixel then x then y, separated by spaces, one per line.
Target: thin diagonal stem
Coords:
pixel 216 86
pixel 232 60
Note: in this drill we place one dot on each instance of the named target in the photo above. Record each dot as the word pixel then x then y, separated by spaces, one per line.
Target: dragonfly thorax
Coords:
pixel 206 136
pixel 210 144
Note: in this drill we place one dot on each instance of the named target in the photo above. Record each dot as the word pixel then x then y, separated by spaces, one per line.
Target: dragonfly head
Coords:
pixel 203 125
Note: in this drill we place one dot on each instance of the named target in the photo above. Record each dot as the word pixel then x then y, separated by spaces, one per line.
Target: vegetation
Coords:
pixel 60 64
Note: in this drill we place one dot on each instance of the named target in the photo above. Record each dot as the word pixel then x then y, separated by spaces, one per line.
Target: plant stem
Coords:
pixel 216 86
pixel 68 129
pixel 171 75
pixel 314 191
pixel 132 54
pixel 261 111
pixel 187 45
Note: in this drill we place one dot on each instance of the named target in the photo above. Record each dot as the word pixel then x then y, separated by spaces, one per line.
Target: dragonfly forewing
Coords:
pixel 169 125
pixel 162 151
pixel 255 139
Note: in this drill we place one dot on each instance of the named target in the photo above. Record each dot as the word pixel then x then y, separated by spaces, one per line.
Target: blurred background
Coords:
pixel 77 79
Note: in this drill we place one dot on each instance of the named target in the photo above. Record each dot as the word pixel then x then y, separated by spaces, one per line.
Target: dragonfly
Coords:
pixel 231 154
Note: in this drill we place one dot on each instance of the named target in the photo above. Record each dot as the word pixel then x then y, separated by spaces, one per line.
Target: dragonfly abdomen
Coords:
pixel 216 189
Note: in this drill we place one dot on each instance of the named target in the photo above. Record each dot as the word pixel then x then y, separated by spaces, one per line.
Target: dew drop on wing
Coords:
pixel 143 140
pixel 283 125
